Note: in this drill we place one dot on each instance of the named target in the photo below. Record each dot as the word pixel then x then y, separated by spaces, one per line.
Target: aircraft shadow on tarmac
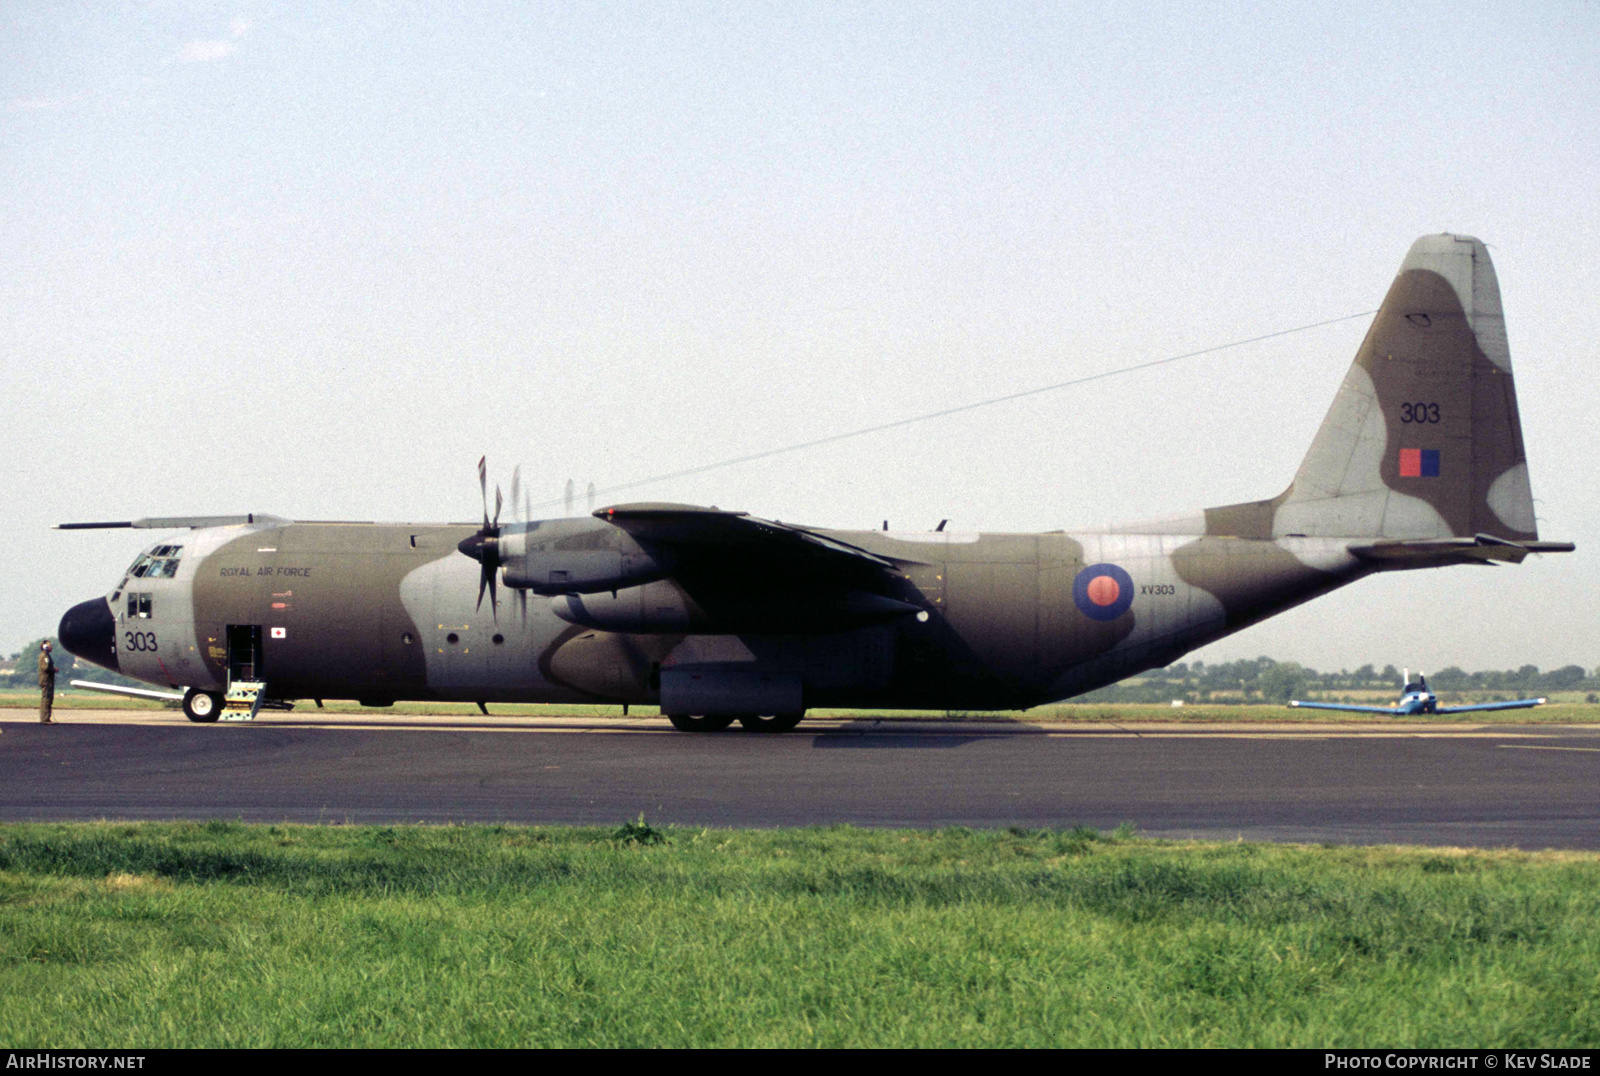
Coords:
pixel 875 734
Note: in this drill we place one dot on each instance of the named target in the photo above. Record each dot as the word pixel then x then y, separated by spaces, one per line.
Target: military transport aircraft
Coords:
pixel 717 615
pixel 1416 698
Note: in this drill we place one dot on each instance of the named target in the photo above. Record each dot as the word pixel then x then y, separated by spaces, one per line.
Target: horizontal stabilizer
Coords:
pixel 1416 552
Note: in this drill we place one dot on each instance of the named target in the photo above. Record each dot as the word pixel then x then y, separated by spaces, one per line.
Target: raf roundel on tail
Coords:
pixel 718 616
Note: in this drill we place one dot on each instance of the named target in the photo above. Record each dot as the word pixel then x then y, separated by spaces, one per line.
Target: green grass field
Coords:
pixel 221 934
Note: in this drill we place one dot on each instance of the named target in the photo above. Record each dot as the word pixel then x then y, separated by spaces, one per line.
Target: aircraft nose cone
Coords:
pixel 90 631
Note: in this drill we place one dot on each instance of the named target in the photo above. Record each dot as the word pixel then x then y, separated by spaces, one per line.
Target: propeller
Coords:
pixel 522 511
pixel 484 547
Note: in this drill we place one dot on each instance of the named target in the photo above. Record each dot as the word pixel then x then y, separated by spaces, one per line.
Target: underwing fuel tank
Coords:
pixel 662 608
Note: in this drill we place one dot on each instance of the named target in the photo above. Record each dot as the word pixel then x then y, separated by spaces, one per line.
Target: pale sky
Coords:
pixel 314 260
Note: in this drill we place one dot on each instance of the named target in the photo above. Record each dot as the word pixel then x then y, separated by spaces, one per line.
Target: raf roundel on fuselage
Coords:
pixel 1103 591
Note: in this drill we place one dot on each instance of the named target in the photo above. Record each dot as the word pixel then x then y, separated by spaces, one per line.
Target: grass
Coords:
pixel 223 934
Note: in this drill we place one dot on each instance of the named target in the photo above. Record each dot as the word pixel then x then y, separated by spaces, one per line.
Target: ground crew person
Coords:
pixel 47 683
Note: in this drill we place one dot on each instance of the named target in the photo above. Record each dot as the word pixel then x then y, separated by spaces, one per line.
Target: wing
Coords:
pixel 714 532
pixel 747 574
pixel 173 523
pixel 1517 704
pixel 1389 710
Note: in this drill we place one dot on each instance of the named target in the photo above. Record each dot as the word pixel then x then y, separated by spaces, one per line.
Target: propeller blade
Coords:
pixel 569 498
pixel 498 501
pixel 483 485
pixel 516 486
pixel 591 496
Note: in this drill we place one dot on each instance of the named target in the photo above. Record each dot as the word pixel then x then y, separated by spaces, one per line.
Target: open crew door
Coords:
pixel 246 677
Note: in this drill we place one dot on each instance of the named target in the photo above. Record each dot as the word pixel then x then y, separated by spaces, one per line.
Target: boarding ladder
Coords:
pixel 247 698
pixel 243 700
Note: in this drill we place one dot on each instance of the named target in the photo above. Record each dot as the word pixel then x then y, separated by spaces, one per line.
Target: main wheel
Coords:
pixel 700 722
pixel 203 707
pixel 770 722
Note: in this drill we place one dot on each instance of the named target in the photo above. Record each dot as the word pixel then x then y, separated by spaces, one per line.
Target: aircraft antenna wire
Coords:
pixel 942 413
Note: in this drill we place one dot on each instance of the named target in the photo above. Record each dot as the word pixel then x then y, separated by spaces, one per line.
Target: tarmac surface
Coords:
pixel 1525 786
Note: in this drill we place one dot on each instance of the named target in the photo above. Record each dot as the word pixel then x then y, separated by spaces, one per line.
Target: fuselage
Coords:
pixel 387 612
pixel 1419 463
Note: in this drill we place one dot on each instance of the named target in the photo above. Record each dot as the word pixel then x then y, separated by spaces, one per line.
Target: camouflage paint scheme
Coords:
pixel 1419 463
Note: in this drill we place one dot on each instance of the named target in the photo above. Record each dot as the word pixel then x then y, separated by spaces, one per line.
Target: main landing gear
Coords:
pixel 751 722
pixel 203 707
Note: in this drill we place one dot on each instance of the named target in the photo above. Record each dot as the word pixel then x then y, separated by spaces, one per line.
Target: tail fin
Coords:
pixel 1423 440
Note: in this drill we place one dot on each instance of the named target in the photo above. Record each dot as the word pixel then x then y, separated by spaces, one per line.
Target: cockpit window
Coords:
pixel 160 563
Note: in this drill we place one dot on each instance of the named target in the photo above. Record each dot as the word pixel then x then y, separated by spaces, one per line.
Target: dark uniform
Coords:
pixel 47 685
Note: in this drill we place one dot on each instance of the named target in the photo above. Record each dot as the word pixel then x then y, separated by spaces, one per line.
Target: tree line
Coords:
pixel 24 669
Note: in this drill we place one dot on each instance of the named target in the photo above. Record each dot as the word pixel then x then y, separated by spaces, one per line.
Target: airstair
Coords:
pixel 247 698
pixel 243 700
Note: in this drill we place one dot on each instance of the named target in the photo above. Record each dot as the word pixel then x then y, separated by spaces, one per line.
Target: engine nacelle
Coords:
pixel 654 608
pixel 578 556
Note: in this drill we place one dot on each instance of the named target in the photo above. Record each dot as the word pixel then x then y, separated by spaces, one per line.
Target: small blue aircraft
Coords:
pixel 1416 698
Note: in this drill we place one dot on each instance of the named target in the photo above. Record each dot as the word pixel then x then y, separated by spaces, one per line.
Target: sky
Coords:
pixel 314 260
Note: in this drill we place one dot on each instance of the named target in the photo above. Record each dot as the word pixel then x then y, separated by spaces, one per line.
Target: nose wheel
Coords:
pixel 202 707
